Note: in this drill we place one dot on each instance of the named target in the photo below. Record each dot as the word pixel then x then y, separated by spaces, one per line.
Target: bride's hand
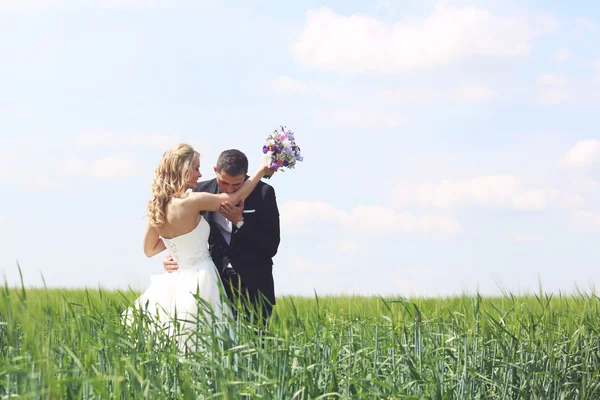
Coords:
pixel 270 172
pixel 169 264
pixel 267 171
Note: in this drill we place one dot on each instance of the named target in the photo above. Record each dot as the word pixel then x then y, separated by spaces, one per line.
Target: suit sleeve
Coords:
pixel 263 234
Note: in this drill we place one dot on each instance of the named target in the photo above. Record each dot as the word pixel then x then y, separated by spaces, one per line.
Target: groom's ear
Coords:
pixel 215 169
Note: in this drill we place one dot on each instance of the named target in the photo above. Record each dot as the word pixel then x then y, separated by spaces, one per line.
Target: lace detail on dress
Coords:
pixel 189 249
pixel 172 250
pixel 199 257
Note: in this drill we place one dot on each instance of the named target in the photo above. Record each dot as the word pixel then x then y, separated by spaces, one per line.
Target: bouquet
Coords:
pixel 281 149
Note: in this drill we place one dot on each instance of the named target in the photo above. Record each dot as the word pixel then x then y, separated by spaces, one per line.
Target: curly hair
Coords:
pixel 170 180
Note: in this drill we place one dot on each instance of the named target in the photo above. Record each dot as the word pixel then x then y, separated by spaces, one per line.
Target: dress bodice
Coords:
pixel 190 249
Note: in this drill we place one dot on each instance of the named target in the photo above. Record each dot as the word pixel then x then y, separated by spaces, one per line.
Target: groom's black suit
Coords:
pixel 252 247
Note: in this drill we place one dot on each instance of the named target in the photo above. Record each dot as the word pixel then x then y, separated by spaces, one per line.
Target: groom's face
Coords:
pixel 228 183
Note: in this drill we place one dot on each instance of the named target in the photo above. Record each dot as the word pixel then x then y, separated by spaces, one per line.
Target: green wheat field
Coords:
pixel 71 344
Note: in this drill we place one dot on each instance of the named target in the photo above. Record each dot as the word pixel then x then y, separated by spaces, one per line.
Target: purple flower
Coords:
pixel 265 149
pixel 274 165
pixel 285 163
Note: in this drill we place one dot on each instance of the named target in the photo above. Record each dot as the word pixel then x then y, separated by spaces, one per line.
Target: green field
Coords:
pixel 70 344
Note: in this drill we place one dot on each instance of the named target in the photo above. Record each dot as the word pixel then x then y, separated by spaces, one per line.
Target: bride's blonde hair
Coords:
pixel 170 180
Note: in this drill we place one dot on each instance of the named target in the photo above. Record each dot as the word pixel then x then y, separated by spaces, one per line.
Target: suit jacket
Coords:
pixel 253 246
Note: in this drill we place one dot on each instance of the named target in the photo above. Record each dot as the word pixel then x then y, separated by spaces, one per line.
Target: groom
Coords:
pixel 244 238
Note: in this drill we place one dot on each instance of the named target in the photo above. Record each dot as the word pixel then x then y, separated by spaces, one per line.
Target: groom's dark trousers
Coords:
pixel 250 252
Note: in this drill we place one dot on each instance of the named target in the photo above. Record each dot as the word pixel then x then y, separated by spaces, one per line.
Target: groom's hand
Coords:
pixel 231 212
pixel 170 265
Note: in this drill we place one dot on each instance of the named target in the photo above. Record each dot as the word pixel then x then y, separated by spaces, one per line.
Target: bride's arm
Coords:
pixel 212 202
pixel 152 242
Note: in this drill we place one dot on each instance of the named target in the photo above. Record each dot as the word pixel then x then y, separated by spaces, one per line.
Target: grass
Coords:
pixel 57 344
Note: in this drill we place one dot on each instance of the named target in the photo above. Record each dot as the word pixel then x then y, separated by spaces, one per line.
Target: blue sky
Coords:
pixel 449 146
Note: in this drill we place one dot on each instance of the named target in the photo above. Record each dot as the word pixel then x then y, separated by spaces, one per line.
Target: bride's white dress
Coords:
pixel 174 294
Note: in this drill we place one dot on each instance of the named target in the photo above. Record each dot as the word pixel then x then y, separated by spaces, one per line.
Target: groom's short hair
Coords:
pixel 233 162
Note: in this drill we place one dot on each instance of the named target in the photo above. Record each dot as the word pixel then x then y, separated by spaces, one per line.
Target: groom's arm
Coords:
pixel 263 233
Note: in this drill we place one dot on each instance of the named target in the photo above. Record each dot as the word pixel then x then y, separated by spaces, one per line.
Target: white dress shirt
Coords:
pixel 226 228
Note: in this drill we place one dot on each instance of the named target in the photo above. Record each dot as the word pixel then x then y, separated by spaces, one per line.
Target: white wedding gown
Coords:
pixel 173 294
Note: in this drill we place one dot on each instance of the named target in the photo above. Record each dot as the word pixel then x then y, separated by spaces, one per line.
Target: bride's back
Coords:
pixel 180 218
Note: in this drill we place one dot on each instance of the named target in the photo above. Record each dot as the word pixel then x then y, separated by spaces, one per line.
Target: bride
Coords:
pixel 175 223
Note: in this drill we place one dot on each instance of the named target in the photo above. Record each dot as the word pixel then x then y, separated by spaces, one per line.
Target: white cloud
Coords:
pixel 95 140
pixel 377 220
pixel 126 3
pixel 586 26
pixel 405 286
pixel 553 89
pixel 361 44
pixel 109 140
pixel 502 191
pixel 332 93
pixel 527 238
pixel 33 172
pixel 595 65
pixel 306 265
pixel 568 200
pixel 33 165
pixel 285 84
pixel 72 167
pixel 552 96
pixel 411 95
pixel 349 247
pixel 4 173
pixel 28 6
pixel 588 218
pixel 590 184
pixel 468 93
pixel 562 55
pixel 583 153
pixel 366 119
pixel 383 5
pixel 475 93
pixel 117 166
pixel 296 212
pixel 22 6
pixel 544 25
pixel 552 79
pixel 42 183
pixel 370 220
